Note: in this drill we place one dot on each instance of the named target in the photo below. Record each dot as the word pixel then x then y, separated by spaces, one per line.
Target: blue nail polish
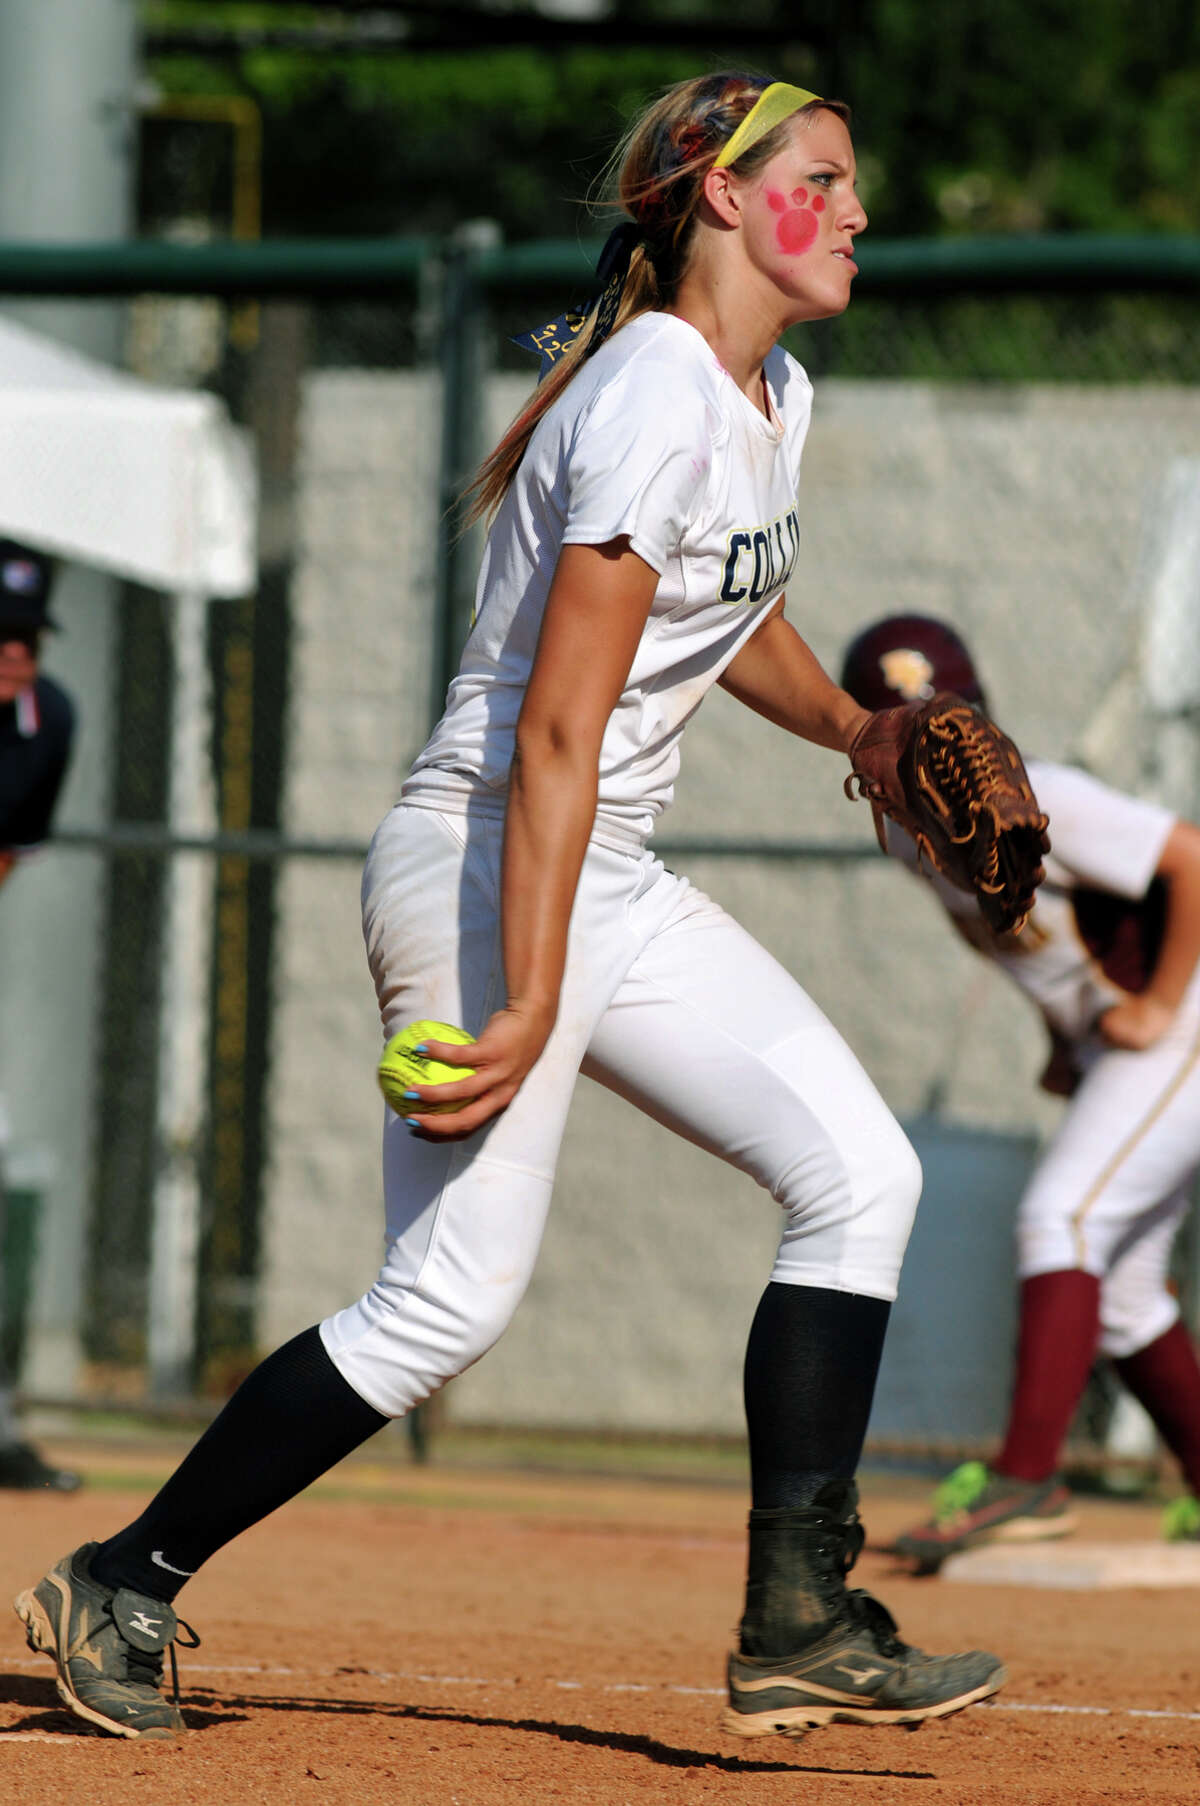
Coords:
pixel 410 1122
pixel 421 1048
pixel 412 1097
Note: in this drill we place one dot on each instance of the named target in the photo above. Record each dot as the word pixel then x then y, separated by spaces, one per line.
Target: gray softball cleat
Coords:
pixel 859 1673
pixel 813 1652
pixel 107 1644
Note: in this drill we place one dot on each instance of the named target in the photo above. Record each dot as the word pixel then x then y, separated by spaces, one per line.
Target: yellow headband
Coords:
pixel 773 106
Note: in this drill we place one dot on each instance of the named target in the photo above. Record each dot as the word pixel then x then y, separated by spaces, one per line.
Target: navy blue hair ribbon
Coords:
pixel 558 335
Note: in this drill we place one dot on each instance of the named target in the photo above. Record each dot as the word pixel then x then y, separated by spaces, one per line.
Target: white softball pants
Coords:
pixel 1112 1189
pixel 666 1000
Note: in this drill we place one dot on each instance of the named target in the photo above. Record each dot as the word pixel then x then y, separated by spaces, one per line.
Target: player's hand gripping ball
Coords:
pixel 402 1067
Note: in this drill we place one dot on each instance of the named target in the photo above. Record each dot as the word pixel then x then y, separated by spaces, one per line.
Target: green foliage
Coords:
pixel 971 115
pixel 396 143
pixel 1009 338
pixel 994 115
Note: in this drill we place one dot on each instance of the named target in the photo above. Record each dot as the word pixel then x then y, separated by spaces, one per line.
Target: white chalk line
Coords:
pixel 266 1672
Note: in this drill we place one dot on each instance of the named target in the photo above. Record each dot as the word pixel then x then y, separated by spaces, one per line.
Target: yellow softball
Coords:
pixel 401 1067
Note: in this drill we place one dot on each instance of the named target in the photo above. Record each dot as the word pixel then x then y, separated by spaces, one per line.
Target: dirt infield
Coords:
pixel 414 1636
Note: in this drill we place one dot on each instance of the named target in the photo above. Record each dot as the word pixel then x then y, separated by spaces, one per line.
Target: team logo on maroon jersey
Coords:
pixel 909 673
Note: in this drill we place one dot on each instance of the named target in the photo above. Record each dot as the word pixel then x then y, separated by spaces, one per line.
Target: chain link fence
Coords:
pixel 1013 446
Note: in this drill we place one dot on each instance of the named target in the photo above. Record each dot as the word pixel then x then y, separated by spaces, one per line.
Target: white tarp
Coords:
pixel 149 483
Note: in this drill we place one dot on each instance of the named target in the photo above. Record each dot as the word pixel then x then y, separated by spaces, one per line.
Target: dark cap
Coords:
pixel 908 658
pixel 26 580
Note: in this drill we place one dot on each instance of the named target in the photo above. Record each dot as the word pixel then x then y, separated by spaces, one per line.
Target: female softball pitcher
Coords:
pixel 1109 958
pixel 643 530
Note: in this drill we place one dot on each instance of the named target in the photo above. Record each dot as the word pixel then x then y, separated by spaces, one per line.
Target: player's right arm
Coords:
pixel 7 860
pixel 598 604
pixel 1140 1019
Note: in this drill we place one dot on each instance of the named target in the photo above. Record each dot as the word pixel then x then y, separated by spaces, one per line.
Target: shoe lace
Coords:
pixel 833 1557
pixel 959 1491
pixel 852 1546
pixel 871 1615
pixel 144 1667
pixel 191 1642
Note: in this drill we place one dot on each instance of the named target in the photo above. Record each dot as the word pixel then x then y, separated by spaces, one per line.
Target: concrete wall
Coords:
pixel 362 646
pixel 1026 515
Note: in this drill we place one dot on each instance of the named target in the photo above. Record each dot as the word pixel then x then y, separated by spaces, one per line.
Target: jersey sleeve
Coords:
pixel 1104 838
pixel 639 462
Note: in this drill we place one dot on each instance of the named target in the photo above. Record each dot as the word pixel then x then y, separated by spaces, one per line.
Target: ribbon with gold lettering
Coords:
pixel 557 335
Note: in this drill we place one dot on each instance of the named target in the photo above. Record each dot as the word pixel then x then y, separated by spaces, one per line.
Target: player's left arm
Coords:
pixel 778 676
pixel 1139 1020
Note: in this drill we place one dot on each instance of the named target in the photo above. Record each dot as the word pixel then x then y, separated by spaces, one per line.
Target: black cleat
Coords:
pixel 23 1469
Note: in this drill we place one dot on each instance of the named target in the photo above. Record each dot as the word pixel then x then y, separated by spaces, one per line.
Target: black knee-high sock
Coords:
pixel 811 1364
pixel 289 1421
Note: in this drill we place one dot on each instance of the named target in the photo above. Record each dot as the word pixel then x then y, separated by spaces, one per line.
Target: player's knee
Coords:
pixel 489 1319
pixel 881 1169
pixel 455 1326
pixel 904 1173
pixel 889 1191
pixel 856 1209
pixel 1129 1324
pixel 886 1179
pixel 401 1344
pixel 897 1190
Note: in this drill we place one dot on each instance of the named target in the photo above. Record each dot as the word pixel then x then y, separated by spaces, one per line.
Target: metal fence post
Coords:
pixel 464 356
pixel 184 1030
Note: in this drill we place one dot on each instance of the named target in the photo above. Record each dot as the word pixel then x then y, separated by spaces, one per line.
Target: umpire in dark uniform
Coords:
pixel 37 719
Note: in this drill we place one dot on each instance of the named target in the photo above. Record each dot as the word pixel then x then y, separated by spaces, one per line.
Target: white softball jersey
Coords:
pixel 651 439
pixel 1100 839
pixel 1113 1185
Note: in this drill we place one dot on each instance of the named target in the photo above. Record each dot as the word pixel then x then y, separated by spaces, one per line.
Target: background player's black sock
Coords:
pixel 289 1421
pixel 811 1364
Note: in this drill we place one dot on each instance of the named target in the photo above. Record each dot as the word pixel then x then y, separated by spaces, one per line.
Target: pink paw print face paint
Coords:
pixel 799 218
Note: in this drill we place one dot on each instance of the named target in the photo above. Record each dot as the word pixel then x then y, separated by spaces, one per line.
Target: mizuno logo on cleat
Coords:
pixel 148 1626
pixel 859 1674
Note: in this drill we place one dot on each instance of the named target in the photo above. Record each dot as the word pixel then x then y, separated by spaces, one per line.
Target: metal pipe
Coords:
pixel 1037 263
pixel 264 845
